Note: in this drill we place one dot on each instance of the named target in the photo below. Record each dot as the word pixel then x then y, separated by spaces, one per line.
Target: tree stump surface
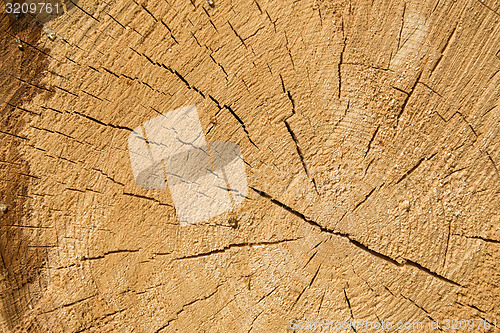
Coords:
pixel 370 134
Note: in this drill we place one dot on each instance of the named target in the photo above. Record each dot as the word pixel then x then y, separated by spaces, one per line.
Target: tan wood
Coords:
pixel 370 130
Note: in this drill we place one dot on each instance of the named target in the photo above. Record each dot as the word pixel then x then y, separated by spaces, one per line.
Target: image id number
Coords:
pixel 463 324
pixel 32 8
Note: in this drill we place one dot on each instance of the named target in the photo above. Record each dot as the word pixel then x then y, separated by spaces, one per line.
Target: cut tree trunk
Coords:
pixel 370 132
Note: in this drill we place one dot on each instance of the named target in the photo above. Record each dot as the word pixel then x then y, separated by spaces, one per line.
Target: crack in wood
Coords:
pixel 413 168
pixel 236 245
pixel 408 95
pixel 401 263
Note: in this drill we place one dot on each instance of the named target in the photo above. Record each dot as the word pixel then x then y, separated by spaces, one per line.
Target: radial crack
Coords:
pixel 401 263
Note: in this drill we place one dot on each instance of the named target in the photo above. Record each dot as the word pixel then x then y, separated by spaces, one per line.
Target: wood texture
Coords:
pixel 370 130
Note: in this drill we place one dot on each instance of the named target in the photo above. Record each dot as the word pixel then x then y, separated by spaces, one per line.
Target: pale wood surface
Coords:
pixel 370 129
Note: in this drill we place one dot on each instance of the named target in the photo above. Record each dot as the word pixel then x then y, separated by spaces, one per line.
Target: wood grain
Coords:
pixel 370 132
